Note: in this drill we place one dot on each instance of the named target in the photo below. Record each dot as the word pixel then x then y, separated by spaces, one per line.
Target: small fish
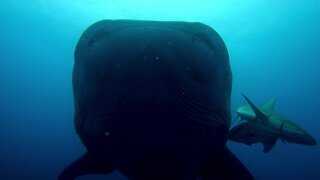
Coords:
pixel 266 126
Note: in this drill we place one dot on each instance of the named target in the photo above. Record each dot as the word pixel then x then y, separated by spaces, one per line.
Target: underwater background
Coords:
pixel 274 52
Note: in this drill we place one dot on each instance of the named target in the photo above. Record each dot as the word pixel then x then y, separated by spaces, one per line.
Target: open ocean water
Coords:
pixel 274 52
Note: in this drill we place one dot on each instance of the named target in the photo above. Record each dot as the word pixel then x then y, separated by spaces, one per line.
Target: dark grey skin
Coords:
pixel 152 100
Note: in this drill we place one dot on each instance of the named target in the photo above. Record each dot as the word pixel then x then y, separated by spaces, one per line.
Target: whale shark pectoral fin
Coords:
pixel 86 164
pixel 269 144
pixel 224 166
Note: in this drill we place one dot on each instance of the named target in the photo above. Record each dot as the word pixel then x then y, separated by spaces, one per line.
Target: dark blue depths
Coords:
pixel 273 48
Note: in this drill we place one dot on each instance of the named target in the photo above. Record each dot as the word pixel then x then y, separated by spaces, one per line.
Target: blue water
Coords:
pixel 274 52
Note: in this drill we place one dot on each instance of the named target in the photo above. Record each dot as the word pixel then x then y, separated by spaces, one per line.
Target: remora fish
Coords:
pixel 266 126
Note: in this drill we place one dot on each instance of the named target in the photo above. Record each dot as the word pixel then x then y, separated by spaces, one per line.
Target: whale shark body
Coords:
pixel 266 126
pixel 152 100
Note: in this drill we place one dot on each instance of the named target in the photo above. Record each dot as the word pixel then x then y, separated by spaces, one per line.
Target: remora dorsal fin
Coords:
pixel 260 116
pixel 269 105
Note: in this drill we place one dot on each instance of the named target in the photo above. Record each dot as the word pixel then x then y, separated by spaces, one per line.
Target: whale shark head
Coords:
pixel 152 100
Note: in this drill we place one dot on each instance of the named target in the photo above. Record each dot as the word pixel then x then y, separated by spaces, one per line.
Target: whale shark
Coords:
pixel 266 126
pixel 152 101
